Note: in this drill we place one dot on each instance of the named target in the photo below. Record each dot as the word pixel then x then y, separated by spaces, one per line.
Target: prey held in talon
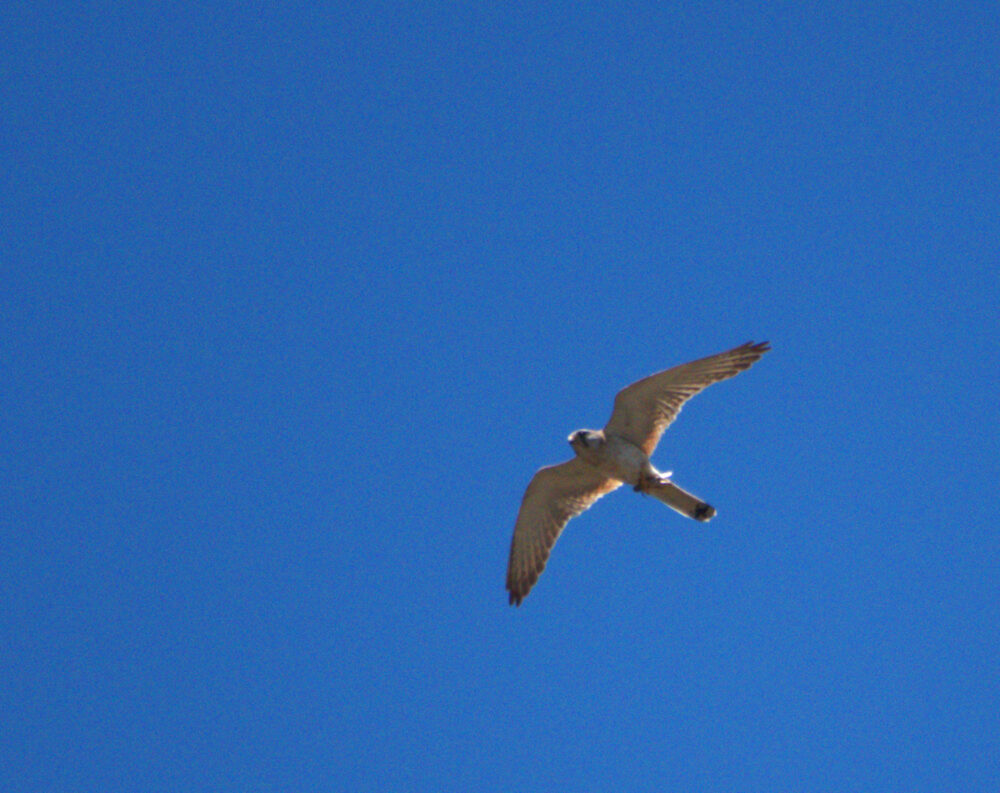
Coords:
pixel 616 455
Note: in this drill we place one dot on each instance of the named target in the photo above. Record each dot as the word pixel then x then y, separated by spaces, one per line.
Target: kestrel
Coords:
pixel 618 454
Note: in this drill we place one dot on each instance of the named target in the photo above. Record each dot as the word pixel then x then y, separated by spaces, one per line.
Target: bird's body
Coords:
pixel 613 456
pixel 618 454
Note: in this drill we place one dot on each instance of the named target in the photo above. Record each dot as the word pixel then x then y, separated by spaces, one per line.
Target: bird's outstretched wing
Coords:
pixel 645 409
pixel 555 494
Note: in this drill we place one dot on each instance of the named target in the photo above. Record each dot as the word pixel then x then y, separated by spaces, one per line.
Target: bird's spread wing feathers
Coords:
pixel 555 494
pixel 645 409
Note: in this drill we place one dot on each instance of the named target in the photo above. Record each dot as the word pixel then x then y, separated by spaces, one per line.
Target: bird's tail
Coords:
pixel 680 500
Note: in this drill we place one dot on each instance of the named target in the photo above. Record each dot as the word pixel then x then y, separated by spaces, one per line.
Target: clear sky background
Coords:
pixel 296 298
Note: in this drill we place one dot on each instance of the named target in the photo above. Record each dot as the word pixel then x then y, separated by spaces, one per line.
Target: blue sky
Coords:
pixel 296 299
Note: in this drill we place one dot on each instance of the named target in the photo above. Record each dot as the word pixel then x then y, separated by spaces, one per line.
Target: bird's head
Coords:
pixel 581 439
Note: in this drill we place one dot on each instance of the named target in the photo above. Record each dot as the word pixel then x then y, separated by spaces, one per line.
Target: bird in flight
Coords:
pixel 618 454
